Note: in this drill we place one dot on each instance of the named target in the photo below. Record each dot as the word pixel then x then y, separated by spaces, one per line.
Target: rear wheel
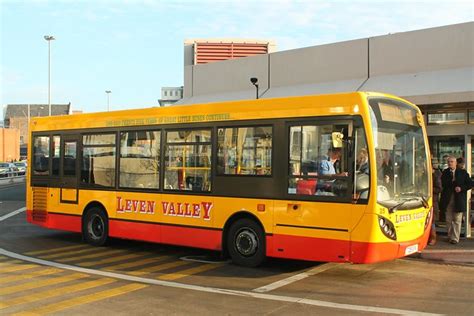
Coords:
pixel 246 243
pixel 95 227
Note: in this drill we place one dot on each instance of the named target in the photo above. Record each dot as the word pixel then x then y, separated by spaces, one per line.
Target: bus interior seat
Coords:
pixel 306 186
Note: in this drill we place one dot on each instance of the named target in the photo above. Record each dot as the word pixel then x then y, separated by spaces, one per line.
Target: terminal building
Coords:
pixel 433 68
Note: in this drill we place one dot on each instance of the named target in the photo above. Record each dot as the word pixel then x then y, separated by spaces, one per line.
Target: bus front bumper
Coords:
pixel 362 252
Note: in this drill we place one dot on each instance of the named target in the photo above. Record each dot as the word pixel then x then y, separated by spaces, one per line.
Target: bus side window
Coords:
pixel 188 160
pixel 140 159
pixel 362 165
pixel 98 160
pixel 41 155
pixel 316 167
pixel 244 151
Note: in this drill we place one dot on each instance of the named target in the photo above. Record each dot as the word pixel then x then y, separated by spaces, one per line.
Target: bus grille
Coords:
pixel 40 206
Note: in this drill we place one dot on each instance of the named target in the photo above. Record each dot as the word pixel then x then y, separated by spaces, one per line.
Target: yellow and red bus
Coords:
pixel 340 178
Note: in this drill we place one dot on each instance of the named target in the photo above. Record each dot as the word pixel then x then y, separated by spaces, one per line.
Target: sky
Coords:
pixel 135 47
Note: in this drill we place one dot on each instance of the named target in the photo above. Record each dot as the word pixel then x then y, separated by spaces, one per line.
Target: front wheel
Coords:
pixel 95 227
pixel 246 243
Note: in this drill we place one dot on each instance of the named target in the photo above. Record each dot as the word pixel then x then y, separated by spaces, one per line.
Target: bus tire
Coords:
pixel 95 227
pixel 246 243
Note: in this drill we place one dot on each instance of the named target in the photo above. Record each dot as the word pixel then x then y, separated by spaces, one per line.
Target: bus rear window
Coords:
pixel 41 155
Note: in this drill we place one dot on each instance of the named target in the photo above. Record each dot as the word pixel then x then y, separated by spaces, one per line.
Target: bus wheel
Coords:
pixel 95 227
pixel 246 243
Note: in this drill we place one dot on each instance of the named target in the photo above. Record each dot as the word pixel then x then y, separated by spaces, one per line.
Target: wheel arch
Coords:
pixel 91 205
pixel 232 219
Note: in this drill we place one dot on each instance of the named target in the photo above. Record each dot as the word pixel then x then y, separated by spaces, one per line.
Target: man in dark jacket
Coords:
pixel 455 182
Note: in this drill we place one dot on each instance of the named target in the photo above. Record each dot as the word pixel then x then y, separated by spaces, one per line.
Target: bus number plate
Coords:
pixel 411 249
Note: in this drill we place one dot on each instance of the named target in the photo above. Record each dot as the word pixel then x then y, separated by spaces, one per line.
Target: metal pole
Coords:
pixel 49 38
pixel 49 77
pixel 108 99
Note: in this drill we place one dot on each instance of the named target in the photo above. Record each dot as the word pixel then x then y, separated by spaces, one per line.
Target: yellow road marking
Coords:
pixel 90 256
pixel 39 252
pixel 188 272
pixel 9 263
pixel 137 263
pixel 56 307
pixel 161 267
pixel 30 298
pixel 36 284
pixel 67 253
pixel 112 259
pixel 23 276
pixel 17 267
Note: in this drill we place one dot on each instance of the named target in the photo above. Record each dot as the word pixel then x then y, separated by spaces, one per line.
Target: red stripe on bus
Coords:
pixel 57 221
pixel 308 248
pixel 167 234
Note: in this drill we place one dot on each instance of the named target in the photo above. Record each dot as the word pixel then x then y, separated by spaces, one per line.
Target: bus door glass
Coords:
pixel 69 168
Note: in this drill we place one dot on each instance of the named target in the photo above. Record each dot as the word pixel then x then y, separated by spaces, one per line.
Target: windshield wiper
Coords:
pixel 424 201
pixel 396 206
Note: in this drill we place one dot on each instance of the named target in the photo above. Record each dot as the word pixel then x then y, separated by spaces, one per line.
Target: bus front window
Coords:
pixel 400 154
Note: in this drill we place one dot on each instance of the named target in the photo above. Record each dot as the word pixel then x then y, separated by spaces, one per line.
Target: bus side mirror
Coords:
pixel 337 139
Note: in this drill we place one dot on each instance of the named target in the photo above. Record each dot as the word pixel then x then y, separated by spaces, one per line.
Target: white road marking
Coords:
pixel 294 278
pixel 18 211
pixel 280 298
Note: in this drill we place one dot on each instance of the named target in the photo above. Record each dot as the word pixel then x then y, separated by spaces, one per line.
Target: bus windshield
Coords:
pixel 401 158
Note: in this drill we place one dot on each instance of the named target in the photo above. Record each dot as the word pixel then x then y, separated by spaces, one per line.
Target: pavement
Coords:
pixel 444 252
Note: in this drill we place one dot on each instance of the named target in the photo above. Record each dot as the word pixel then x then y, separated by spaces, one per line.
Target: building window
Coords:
pixel 188 160
pixel 447 118
pixel 98 160
pixel 318 164
pixel 245 151
pixel 140 159
pixel 471 116
pixel 41 155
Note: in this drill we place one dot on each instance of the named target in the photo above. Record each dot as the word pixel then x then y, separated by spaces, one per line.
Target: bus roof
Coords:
pixel 299 106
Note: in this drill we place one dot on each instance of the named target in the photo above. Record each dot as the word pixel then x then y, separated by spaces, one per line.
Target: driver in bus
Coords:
pixel 327 165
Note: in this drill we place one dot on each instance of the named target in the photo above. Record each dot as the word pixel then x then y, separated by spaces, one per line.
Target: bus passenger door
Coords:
pixel 69 193
pixel 313 223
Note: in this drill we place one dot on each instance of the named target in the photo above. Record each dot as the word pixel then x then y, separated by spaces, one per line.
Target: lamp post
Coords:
pixel 108 99
pixel 49 38
pixel 254 81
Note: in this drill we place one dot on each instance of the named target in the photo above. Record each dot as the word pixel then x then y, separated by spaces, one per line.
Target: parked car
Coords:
pixel 21 167
pixel 8 169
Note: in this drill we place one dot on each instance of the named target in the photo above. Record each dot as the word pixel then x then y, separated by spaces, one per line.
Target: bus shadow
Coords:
pixel 271 267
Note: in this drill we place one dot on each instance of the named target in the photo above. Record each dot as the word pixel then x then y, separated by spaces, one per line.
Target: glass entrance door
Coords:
pixel 444 146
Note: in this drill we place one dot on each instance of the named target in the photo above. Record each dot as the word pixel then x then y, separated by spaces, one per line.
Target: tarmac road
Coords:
pixel 45 271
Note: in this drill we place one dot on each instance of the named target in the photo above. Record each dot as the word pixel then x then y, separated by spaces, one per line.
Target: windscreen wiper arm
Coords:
pixel 396 206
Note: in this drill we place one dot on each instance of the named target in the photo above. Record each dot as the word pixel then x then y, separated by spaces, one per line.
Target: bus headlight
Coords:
pixel 428 217
pixel 387 228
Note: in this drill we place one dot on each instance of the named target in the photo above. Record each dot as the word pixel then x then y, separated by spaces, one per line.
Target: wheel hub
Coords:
pixel 96 227
pixel 246 242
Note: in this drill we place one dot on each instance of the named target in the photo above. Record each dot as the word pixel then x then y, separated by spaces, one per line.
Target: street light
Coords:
pixel 108 99
pixel 254 81
pixel 49 38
